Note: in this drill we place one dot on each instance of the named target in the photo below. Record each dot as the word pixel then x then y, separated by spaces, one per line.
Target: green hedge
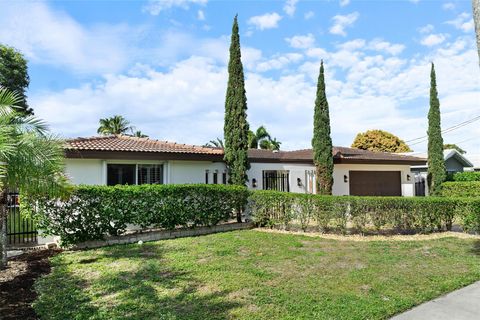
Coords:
pixel 91 212
pixel 461 189
pixel 417 214
pixel 466 176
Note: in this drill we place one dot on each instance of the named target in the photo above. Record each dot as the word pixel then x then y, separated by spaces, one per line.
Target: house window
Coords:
pixel 276 180
pixel 120 174
pixel 215 177
pixel 224 177
pixel 150 174
pixel 206 176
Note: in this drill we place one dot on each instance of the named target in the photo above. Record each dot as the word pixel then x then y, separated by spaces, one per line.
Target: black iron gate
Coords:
pixel 20 230
pixel 419 186
pixel 276 180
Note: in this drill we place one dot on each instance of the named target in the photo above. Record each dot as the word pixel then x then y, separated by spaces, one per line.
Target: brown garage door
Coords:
pixel 375 183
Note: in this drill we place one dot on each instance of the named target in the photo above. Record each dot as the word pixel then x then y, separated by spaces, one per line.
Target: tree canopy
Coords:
pixel 114 125
pixel 262 139
pixel 322 141
pixel 31 160
pixel 453 146
pixel 14 76
pixel 236 126
pixel 380 141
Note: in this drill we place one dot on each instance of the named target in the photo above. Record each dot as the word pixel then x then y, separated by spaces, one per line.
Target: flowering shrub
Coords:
pixel 418 214
pixel 91 212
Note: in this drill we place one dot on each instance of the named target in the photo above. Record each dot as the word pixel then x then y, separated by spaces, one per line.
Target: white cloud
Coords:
pixel 200 15
pixel 309 15
pixel 290 7
pixel 279 61
pixel 433 39
pixel 426 29
pixel 448 6
pixel 154 7
pixel 52 37
pixel 352 45
pixel 266 21
pixel 463 21
pixel 384 46
pixel 301 41
pixel 340 23
pixel 344 3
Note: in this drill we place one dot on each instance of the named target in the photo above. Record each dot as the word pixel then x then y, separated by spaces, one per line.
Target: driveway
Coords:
pixel 463 304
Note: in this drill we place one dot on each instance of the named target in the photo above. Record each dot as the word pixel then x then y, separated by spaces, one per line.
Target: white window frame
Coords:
pixel 136 163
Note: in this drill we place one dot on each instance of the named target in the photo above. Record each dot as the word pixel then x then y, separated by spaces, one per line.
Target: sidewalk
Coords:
pixel 463 304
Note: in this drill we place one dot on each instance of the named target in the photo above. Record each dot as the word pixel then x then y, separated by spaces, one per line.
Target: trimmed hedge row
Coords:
pixel 91 212
pixel 461 189
pixel 415 214
pixel 466 176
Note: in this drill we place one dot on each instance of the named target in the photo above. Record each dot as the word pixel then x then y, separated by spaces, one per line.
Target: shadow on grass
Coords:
pixel 146 289
pixel 476 247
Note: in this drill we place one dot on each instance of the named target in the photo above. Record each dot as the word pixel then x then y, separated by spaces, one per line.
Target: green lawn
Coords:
pixel 255 275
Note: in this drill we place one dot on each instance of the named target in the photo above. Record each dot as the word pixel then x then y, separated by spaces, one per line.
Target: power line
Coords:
pixel 447 130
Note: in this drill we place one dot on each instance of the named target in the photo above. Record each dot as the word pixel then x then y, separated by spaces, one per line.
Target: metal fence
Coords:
pixel 276 180
pixel 20 230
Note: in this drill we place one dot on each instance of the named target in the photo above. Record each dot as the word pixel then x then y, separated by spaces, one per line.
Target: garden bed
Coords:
pixel 16 283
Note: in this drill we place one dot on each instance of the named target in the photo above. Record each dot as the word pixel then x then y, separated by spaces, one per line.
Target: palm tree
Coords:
pixel 275 144
pixel 138 134
pixel 255 138
pixel 114 125
pixel 217 143
pixel 31 160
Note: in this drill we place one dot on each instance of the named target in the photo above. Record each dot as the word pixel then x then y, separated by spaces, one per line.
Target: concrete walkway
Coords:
pixel 463 304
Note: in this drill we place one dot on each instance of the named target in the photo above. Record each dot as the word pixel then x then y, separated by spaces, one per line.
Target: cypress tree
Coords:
pixel 236 126
pixel 322 142
pixel 436 164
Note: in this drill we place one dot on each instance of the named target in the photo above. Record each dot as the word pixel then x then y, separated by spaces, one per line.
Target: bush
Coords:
pixel 461 189
pixel 466 176
pixel 91 212
pixel 415 214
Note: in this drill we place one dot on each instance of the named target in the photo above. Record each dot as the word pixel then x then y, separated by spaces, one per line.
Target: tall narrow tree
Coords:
pixel 236 126
pixel 436 164
pixel 322 142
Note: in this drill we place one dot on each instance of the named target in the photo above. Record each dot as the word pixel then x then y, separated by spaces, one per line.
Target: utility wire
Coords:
pixel 449 129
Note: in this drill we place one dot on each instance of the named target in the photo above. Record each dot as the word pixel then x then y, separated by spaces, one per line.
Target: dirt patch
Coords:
pixel 16 283
pixel 413 237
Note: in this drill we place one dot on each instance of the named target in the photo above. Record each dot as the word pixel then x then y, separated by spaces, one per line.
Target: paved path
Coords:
pixel 463 304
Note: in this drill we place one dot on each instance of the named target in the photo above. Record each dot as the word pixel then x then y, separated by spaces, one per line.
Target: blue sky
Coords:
pixel 162 64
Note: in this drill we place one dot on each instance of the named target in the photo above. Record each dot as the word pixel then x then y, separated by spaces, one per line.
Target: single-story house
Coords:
pixel 119 159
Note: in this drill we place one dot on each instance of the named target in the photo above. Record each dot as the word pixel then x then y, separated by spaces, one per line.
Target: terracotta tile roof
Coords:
pixel 122 143
pixel 128 143
pixel 339 153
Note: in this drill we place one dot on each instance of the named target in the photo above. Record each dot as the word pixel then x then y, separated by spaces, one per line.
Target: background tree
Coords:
pixel 436 164
pixel 217 143
pixel 380 141
pixel 14 75
pixel 322 141
pixel 453 146
pixel 236 126
pixel 114 125
pixel 31 161
pixel 138 133
pixel 262 139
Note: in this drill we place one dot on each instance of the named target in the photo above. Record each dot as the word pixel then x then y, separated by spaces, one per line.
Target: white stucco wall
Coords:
pixel 93 172
pixel 85 171
pixel 180 172
pixel 343 188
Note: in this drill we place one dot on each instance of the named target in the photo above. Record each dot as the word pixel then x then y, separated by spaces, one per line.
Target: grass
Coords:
pixel 255 275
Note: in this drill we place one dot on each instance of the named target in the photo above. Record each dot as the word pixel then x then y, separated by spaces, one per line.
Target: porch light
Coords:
pixel 345 178
pixel 254 183
pixel 408 177
pixel 299 182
